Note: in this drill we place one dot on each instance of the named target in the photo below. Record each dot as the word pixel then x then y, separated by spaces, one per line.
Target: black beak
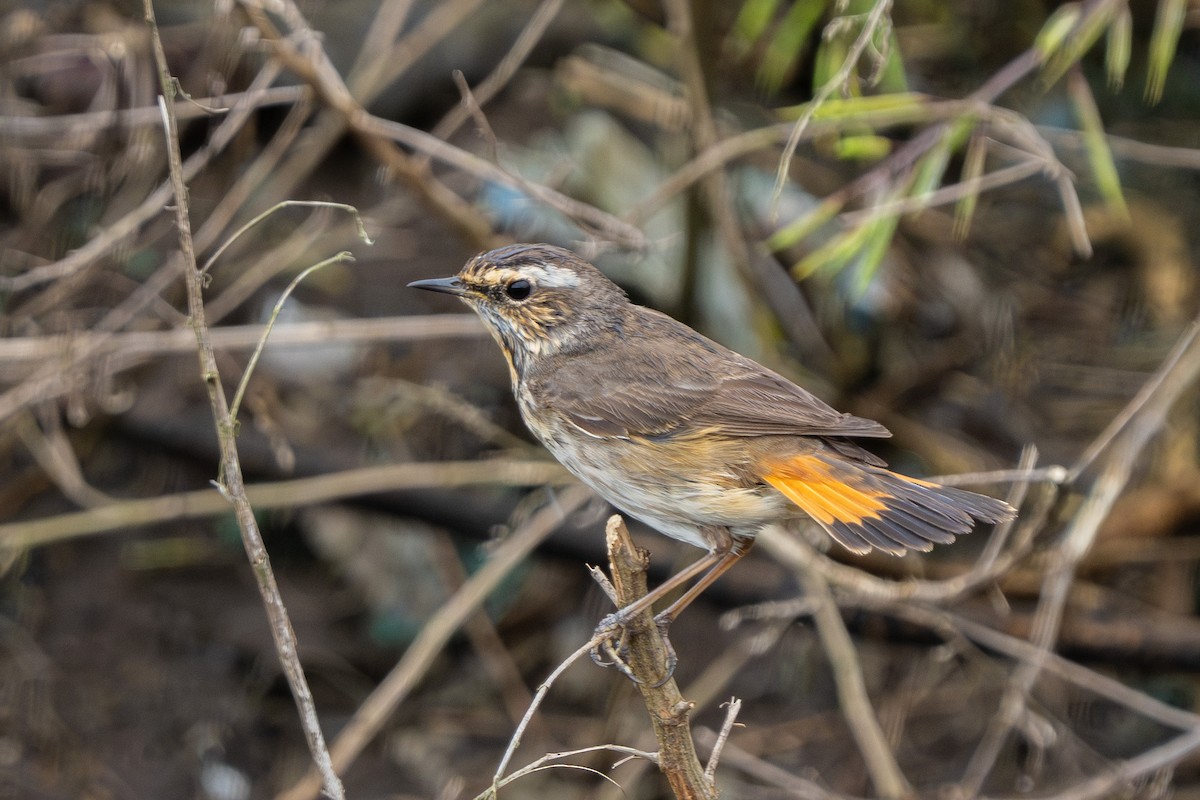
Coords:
pixel 444 285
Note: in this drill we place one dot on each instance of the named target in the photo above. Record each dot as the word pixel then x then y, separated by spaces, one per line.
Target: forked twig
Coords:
pixel 339 258
pixel 733 708
pixel 498 778
pixel 225 245
pixel 547 762
pixel 835 83
pixel 646 655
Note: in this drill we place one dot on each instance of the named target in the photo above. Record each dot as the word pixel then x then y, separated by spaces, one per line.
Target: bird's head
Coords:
pixel 536 299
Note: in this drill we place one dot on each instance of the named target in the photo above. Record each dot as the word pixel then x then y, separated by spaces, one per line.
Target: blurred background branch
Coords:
pixel 972 221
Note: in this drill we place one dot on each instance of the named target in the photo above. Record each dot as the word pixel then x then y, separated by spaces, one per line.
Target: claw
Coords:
pixel 663 623
pixel 613 648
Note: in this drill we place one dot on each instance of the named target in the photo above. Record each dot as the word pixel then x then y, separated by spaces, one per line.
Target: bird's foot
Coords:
pixel 612 646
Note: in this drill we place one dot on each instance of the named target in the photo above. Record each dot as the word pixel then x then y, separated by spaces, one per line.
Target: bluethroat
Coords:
pixel 697 441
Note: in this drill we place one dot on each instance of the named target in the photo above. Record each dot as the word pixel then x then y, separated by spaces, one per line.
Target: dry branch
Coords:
pixel 856 705
pixel 133 345
pixel 647 658
pixel 231 483
pixel 378 707
pixel 296 493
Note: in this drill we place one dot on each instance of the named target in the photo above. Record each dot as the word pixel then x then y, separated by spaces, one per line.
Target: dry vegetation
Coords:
pixel 961 231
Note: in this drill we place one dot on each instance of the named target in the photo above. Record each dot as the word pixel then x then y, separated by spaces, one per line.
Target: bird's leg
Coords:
pixel 736 549
pixel 725 558
pixel 726 552
pixel 614 646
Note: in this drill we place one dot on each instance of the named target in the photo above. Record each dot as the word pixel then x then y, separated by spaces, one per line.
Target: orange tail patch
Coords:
pixel 866 507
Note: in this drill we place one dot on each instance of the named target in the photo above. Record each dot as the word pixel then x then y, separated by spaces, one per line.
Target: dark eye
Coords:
pixel 518 289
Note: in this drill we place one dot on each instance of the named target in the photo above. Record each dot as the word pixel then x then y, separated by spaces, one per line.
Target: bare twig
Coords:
pixel 985 564
pixel 619 231
pixel 953 625
pixel 1142 152
pixel 1005 176
pixel 1149 391
pixel 303 53
pixel 1177 373
pixel 439 400
pixel 837 82
pixel 1046 625
pixel 49 447
pixel 485 639
pixel 1112 781
pixel 358 221
pixel 120 229
pixel 733 708
pixel 134 345
pixel 378 47
pixel 57 378
pixel 795 786
pixel 236 403
pixel 880 761
pixel 231 476
pixel 729 664
pixel 550 758
pixel 384 65
pixel 376 709
pixel 15 127
pixel 1144 417
pixel 127 514
pixel 499 77
pixel 715 185
pixel 647 658
pixel 498 779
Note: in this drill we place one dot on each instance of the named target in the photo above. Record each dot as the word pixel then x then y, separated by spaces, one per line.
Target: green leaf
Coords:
pixel 862 248
pixel 864 147
pixel 1119 47
pixel 875 246
pixel 795 232
pixel 1054 32
pixel 1081 39
pixel 973 163
pixel 852 109
pixel 752 21
pixel 1095 141
pixel 1167 26
pixel 890 75
pixel 788 43
pixel 932 166
pixel 834 255
pixel 830 57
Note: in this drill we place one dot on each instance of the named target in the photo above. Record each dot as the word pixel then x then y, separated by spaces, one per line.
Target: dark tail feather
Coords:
pixel 869 508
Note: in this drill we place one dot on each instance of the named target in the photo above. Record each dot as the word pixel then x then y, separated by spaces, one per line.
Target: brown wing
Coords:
pixel 665 375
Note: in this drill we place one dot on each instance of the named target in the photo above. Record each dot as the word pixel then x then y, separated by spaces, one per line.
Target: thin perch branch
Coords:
pixel 231 473
pixel 648 653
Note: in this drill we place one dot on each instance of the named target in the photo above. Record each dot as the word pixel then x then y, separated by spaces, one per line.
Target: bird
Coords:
pixel 696 440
